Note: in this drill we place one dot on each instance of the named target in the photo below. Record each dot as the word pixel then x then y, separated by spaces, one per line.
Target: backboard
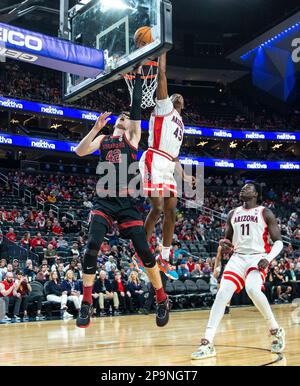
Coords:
pixel 110 25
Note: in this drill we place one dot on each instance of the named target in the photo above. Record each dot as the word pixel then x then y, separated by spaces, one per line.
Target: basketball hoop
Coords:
pixel 149 83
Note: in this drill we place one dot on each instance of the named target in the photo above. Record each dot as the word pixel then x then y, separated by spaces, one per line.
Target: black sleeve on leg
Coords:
pixel 141 246
pixel 96 235
pixel 136 110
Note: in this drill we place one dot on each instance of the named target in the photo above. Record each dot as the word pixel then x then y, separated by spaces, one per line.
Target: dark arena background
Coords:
pixel 237 64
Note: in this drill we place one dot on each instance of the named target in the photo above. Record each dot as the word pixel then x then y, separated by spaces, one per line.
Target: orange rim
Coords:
pixel 152 63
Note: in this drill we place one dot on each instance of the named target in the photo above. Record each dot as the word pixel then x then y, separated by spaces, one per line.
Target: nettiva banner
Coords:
pixel 47 51
pixel 60 146
pixel 67 112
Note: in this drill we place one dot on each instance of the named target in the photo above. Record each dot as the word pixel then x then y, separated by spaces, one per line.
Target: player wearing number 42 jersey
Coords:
pixel 113 202
pixel 247 235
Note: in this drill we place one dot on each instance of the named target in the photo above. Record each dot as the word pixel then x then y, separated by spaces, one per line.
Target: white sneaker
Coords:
pixel 6 318
pixel 205 350
pixel 17 319
pixel 278 340
pixel 67 315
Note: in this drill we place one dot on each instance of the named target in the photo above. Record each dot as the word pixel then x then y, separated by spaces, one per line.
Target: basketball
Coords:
pixel 143 36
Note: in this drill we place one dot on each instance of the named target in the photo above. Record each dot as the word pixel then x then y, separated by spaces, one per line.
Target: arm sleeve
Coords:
pixel 276 249
pixel 136 110
pixel 163 107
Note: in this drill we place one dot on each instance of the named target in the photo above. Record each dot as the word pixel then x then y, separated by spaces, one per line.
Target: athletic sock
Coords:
pixel 160 295
pixel 165 253
pixel 87 294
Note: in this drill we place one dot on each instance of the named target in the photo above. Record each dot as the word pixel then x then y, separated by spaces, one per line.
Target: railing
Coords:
pixel 203 209
pixel 55 209
pixel 40 203
pixel 3 178
pixel 28 196
pixel 16 188
pixel 11 250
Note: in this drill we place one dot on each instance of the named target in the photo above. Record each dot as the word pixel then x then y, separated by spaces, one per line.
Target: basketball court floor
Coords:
pixel 135 340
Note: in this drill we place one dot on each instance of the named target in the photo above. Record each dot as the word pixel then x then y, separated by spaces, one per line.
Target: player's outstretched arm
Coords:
pixel 89 144
pixel 135 131
pixel 275 235
pixel 162 85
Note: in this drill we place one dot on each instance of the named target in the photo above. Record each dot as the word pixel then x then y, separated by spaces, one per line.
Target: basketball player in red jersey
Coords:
pixel 247 231
pixel 119 150
pixel 158 163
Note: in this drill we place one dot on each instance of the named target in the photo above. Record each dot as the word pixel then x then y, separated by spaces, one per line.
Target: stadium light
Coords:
pixel 105 5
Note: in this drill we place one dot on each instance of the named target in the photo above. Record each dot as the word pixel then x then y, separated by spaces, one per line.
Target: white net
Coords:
pixel 149 84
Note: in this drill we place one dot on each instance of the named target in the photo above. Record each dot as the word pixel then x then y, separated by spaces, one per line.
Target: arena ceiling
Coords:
pixel 205 31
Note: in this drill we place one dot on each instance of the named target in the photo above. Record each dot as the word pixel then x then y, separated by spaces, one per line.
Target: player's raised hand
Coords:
pixel 102 120
pixel 190 179
pixel 226 245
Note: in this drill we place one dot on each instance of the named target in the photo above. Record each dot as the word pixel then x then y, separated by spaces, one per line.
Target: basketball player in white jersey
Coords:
pixel 158 163
pixel 248 228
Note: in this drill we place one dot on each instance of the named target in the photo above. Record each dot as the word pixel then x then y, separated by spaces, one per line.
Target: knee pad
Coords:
pixel 147 257
pixel 89 265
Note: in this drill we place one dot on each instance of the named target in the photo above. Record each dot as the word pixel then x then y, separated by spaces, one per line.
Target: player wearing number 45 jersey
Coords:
pixel 159 162
pixel 247 234
pixel 113 203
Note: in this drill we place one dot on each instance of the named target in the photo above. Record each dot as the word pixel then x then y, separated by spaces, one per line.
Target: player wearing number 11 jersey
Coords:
pixel 247 235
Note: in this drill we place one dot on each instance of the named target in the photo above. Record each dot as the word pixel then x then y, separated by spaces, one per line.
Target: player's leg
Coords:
pixel 170 205
pixel 98 229
pixel 253 286
pixel 154 215
pixel 140 244
pixel 206 348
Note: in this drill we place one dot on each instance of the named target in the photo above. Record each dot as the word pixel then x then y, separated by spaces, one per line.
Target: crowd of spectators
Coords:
pixel 216 110
pixel 57 244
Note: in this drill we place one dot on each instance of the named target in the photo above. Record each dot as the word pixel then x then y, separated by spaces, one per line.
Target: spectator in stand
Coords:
pixel 87 203
pixel 40 221
pixel 74 227
pixel 196 273
pixel 16 265
pixel 72 287
pixel 134 290
pixel 61 271
pixel 75 250
pixel 102 291
pixel 110 264
pixel 3 268
pixel 56 294
pixel 276 278
pixel 20 219
pixel 54 266
pixel 183 271
pixel 50 254
pixel 105 247
pixel 38 241
pixel 28 270
pixel 62 244
pixel 53 241
pixel 56 228
pixel 119 287
pixel 190 264
pixel 11 236
pixel 73 266
pixel 8 290
pixel 42 197
pixel 44 273
pixel 25 241
pixel 9 269
pixel 51 198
